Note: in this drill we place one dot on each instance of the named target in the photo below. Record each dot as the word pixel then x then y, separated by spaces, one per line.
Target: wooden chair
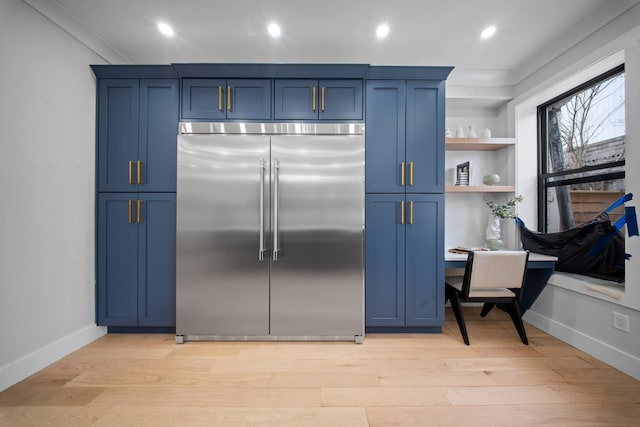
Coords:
pixel 490 277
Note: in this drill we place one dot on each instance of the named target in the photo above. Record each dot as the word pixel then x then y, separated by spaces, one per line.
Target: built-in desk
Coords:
pixel 539 269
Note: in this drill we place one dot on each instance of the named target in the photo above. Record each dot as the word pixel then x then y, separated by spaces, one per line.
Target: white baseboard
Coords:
pixel 20 369
pixel 624 362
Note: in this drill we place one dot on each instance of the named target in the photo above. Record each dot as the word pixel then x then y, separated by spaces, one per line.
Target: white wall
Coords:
pixel 47 117
pixel 567 309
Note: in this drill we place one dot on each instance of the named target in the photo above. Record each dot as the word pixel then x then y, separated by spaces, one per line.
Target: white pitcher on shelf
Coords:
pixel 472 132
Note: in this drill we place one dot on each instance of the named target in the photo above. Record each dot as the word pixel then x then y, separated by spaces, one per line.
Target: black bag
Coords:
pixel 595 248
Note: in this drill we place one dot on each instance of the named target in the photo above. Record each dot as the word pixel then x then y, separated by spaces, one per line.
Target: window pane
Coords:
pixel 588 127
pixel 573 205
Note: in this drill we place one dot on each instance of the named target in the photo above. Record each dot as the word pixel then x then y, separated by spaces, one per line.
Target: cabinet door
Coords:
pixel 424 280
pixel 296 99
pixel 340 100
pixel 384 265
pixel 158 133
pixel 249 99
pixel 157 259
pixel 118 106
pixel 204 99
pixel 425 136
pixel 385 136
pixel 117 251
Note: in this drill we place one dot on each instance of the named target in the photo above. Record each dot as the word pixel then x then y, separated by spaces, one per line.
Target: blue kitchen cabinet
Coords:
pixel 226 99
pixel 137 129
pixel 309 99
pixel 404 271
pixel 136 259
pixel 405 136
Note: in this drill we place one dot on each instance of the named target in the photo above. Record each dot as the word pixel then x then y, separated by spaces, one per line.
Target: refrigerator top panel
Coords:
pixel 272 128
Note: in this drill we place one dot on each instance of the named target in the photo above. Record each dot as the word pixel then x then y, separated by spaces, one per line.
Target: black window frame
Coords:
pixel 550 179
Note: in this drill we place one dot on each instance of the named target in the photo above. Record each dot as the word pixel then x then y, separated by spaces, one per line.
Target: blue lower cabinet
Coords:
pixel 136 259
pixel 404 272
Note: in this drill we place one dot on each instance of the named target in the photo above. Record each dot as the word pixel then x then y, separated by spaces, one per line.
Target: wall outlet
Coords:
pixel 621 321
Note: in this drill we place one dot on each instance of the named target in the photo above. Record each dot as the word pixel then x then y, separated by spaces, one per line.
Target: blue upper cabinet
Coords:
pixel 118 112
pixel 385 136
pixel 137 129
pixel 405 136
pixel 425 136
pixel 230 99
pixel 307 99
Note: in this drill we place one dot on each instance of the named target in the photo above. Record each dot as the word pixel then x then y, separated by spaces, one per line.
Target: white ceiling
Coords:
pixel 422 32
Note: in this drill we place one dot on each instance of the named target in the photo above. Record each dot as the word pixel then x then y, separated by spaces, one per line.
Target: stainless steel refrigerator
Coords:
pixel 270 222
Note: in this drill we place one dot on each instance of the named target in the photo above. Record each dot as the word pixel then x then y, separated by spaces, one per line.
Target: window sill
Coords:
pixel 596 288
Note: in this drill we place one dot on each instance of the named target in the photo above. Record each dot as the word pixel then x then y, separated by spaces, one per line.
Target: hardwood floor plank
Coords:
pixel 384 396
pixel 24 395
pixel 516 395
pixel 469 378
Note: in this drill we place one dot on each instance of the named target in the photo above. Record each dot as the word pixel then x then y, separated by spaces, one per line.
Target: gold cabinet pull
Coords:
pixel 220 98
pixel 411 212
pixel 130 171
pixel 139 177
pixel 229 98
pixel 410 173
pixel 322 99
pixel 402 174
pixel 402 212
pixel 130 211
pixel 313 99
pixel 139 212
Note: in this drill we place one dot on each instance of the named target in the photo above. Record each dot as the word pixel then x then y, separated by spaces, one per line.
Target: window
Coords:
pixel 581 152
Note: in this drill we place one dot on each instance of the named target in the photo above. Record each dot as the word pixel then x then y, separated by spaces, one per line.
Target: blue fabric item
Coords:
pixel 621 200
pixel 632 220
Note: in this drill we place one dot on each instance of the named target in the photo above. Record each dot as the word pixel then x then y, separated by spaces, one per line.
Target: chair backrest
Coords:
pixel 495 269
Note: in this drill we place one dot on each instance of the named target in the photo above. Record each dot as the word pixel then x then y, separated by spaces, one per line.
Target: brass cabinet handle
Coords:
pixel 130 171
pixel 313 99
pixel 130 212
pixel 229 98
pixel 139 180
pixel 220 98
pixel 410 173
pixel 411 212
pixel 139 212
pixel 402 212
pixel 322 99
pixel 402 174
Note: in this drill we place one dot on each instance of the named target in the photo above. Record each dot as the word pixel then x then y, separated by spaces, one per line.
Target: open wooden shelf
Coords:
pixel 478 144
pixel 479 189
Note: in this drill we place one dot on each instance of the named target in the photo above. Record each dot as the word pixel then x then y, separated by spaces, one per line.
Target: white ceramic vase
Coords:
pixel 493 234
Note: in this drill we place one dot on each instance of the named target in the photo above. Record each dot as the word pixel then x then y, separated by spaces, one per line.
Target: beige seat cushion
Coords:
pixel 456 282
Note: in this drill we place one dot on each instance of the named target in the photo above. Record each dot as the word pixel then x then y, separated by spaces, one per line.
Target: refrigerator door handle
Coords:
pixel 262 249
pixel 276 249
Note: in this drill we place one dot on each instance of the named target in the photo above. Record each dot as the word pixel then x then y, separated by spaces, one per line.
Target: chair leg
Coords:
pixel 486 308
pixel 516 317
pixel 457 310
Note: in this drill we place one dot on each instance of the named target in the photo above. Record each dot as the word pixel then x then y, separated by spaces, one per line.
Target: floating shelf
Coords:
pixel 479 189
pixel 478 144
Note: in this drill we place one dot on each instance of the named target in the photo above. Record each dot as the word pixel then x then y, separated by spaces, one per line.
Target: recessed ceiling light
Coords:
pixel 488 32
pixel 165 29
pixel 274 30
pixel 382 31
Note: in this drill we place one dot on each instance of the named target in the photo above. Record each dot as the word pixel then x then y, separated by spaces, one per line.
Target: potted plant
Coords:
pixel 493 233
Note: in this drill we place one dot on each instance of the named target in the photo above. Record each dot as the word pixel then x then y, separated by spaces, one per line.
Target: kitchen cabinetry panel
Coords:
pixel 425 136
pixel 136 259
pixel 385 136
pixel 424 264
pixel 118 112
pixel 137 128
pixel 232 99
pixel 385 249
pixel 306 99
pixel 405 260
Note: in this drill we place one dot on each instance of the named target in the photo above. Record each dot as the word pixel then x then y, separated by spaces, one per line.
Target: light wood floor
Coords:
pixel 390 380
